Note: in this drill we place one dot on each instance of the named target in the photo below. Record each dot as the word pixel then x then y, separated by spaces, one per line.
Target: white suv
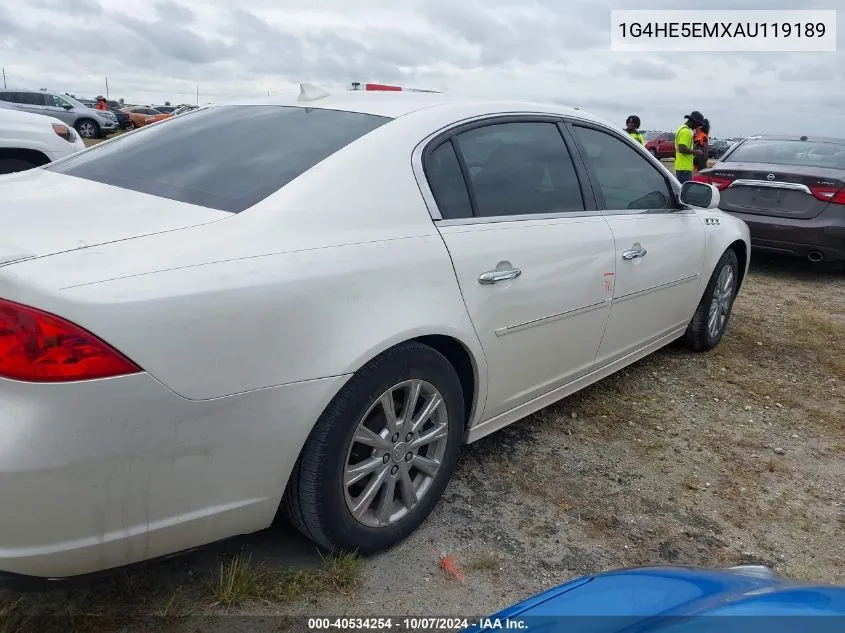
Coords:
pixel 29 140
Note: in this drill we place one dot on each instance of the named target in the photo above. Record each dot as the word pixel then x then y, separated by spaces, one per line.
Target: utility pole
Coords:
pixel 107 87
pixel 4 77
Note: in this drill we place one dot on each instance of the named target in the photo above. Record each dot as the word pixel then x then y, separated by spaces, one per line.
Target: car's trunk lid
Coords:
pixel 774 190
pixel 43 213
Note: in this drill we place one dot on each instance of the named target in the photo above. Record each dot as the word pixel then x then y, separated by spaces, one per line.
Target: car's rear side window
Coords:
pixel 227 158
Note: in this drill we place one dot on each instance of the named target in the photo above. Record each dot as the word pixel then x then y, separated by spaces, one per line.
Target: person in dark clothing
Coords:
pixel 701 140
pixel 632 127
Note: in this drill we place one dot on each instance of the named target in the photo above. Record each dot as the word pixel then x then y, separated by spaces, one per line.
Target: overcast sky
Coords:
pixel 535 49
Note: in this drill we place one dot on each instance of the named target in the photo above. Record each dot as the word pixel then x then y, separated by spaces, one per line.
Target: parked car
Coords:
pixel 741 599
pixel 663 146
pixel 790 190
pixel 123 119
pixel 184 109
pixel 155 118
pixel 28 140
pixel 165 109
pixel 250 332
pixel 139 114
pixel 717 147
pixel 89 123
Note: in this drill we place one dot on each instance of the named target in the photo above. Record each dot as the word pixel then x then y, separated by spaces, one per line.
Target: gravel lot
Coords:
pixel 735 456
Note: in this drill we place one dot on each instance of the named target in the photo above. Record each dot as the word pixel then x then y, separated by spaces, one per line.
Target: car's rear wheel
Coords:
pixel 711 318
pixel 88 128
pixel 381 454
pixel 13 165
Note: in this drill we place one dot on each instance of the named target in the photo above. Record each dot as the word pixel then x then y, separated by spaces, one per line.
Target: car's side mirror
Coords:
pixel 700 195
pixel 67 106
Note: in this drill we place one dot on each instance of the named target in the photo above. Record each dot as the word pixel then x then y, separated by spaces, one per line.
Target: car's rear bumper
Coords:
pixel 104 473
pixel 824 234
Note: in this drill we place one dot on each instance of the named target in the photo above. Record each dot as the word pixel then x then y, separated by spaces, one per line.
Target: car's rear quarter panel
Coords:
pixel 312 282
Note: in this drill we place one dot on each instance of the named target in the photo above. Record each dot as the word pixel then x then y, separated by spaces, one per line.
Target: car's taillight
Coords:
pixel 65 132
pixel 39 347
pixel 836 195
pixel 716 181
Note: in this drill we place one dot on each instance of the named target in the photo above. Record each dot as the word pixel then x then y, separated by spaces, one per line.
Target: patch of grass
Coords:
pixel 237 581
pixel 339 573
pixel 11 619
pixel 171 607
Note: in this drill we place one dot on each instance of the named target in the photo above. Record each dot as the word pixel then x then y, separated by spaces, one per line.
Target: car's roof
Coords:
pixel 796 137
pixel 395 104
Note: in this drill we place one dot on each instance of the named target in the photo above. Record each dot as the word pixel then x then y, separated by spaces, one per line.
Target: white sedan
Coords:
pixel 308 305
pixel 31 140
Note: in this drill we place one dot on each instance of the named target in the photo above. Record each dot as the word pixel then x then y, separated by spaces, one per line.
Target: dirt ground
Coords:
pixel 734 456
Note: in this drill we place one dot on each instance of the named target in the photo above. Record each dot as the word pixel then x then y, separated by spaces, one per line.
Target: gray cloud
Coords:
pixel 643 69
pixel 533 49
pixel 806 73
pixel 174 13
pixel 75 7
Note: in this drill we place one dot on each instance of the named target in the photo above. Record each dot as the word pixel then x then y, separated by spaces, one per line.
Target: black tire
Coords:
pixel 653 152
pixel 88 128
pixel 13 165
pixel 314 500
pixel 698 336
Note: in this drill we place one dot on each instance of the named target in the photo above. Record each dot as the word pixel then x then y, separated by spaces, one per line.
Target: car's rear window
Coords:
pixel 226 157
pixel 806 153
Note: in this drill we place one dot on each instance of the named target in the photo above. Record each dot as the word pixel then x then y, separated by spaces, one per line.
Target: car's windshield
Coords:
pixel 225 157
pixel 777 152
pixel 650 136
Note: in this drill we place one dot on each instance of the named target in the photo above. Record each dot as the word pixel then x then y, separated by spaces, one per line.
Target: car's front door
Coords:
pixel 529 249
pixel 60 108
pixel 660 246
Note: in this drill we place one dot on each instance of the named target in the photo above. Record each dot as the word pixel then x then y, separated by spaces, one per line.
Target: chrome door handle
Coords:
pixel 494 276
pixel 634 253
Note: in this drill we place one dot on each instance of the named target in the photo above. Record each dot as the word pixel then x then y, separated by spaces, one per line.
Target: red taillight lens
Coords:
pixel 40 347
pixel 716 181
pixel 836 195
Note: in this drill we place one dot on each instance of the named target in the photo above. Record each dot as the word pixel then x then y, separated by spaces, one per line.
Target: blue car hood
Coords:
pixel 678 600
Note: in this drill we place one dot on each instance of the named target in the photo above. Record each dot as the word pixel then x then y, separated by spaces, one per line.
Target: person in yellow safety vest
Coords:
pixel 632 127
pixel 685 151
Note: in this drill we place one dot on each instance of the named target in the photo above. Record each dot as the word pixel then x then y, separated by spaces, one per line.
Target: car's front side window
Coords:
pixel 519 168
pixel 626 179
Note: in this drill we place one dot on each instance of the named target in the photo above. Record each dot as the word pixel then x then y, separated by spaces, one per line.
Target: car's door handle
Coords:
pixel 635 252
pixel 494 276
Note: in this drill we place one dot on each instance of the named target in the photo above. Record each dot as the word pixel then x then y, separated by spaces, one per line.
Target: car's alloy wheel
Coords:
pixel 381 454
pixel 720 304
pixel 710 320
pixel 87 129
pixel 396 452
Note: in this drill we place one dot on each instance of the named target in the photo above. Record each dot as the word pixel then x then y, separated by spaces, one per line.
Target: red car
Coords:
pixel 661 144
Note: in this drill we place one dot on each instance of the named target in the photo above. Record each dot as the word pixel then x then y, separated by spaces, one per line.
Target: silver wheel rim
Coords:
pixel 396 453
pixel 720 305
pixel 87 130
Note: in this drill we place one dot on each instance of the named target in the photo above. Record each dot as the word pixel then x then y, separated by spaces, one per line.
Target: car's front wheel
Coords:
pixel 88 128
pixel 381 454
pixel 710 320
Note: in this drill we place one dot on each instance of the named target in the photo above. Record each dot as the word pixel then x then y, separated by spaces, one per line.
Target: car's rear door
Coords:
pixel 31 102
pixel 660 246
pixel 529 249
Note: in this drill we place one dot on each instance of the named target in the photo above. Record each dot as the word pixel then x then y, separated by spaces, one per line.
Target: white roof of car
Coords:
pixel 396 104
